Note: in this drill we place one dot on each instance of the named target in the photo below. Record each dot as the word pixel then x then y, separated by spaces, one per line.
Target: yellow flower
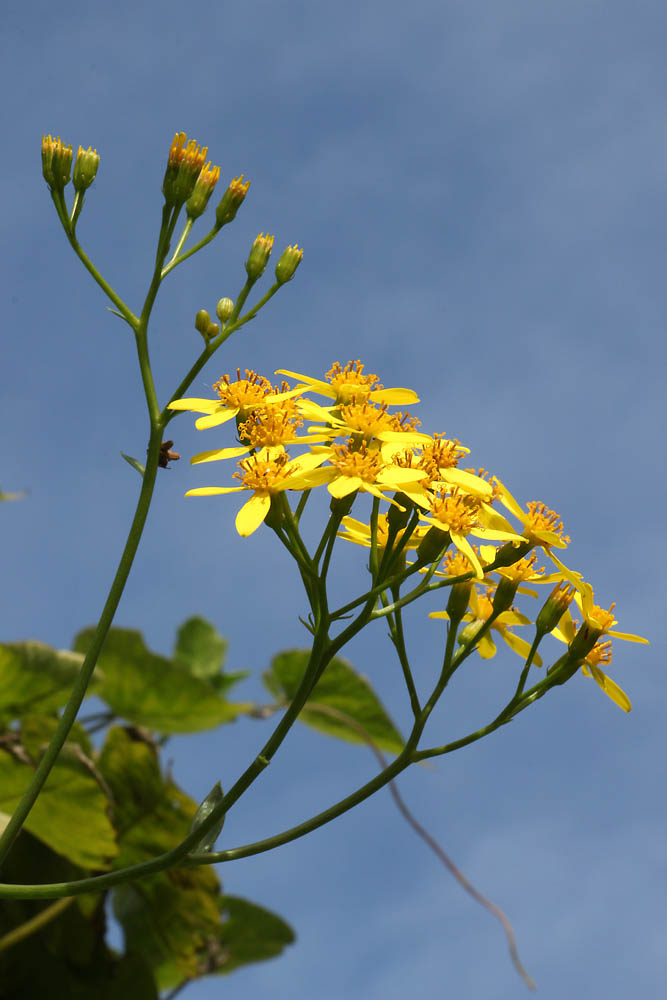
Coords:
pixel 598 622
pixel 237 398
pixel 346 384
pixel 481 608
pixel 462 515
pixel 268 430
pixel 266 478
pixel 362 468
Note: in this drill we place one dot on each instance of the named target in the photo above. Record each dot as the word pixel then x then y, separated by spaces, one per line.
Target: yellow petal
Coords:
pixel 217 454
pixel 252 514
pixel 343 486
pixel 209 491
pixel 611 688
pixel 221 417
pixel 197 405
pixel 628 637
pixel 394 397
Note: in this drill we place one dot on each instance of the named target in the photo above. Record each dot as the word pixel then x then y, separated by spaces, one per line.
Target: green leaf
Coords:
pixel 249 933
pixel 67 958
pixel 35 678
pixel 340 693
pixel 152 691
pixel 200 648
pixel 70 814
pixel 169 916
pixel 135 463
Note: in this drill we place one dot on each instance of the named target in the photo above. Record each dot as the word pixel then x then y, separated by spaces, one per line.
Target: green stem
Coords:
pixel 35 924
pixel 126 313
pixel 176 260
pixel 82 681
pixel 179 246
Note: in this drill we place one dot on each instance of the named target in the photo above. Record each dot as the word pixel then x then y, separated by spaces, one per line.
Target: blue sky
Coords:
pixel 480 192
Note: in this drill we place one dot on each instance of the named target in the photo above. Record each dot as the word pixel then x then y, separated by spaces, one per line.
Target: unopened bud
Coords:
pixel 511 552
pixel 433 545
pixel 554 608
pixel 202 321
pixel 287 264
pixel 259 256
pixel 231 201
pixel 56 162
pixel 224 310
pixel 198 200
pixel 85 168
pixel 184 165
pixel 212 331
pixel 457 605
pixel 504 595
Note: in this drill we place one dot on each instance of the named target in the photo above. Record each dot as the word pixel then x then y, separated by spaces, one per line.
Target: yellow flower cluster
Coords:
pixel 353 444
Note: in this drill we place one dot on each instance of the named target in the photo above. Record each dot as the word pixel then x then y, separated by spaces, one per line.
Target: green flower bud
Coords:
pixel 259 256
pixel 287 264
pixel 85 168
pixel 56 162
pixel 433 544
pixel 184 165
pixel 510 553
pixel 198 200
pixel 212 331
pixel 457 605
pixel 231 201
pixel 202 321
pixel 504 595
pixel 224 310
pixel 554 608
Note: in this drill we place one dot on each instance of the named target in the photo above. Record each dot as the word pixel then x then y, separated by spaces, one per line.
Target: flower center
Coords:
pixel 265 476
pixel 540 518
pixel 457 512
pixel 359 463
pixel 350 383
pixel 244 393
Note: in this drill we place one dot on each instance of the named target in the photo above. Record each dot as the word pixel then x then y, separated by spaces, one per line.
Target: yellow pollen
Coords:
pixel 265 476
pixel 360 463
pixel 456 564
pixel 523 569
pixel 442 453
pixel 457 511
pixel 540 518
pixel 366 419
pixel 268 426
pixel 350 383
pixel 244 393
pixel 600 654
pixel 601 618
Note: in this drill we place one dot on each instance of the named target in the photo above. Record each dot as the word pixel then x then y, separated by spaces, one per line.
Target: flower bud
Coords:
pixel 511 552
pixel 457 605
pixel 287 264
pixel 56 162
pixel 202 321
pixel 212 331
pixel 504 595
pixel 259 256
pixel 433 545
pixel 85 168
pixel 231 201
pixel 224 310
pixel 198 200
pixel 468 634
pixel 184 165
pixel 554 608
